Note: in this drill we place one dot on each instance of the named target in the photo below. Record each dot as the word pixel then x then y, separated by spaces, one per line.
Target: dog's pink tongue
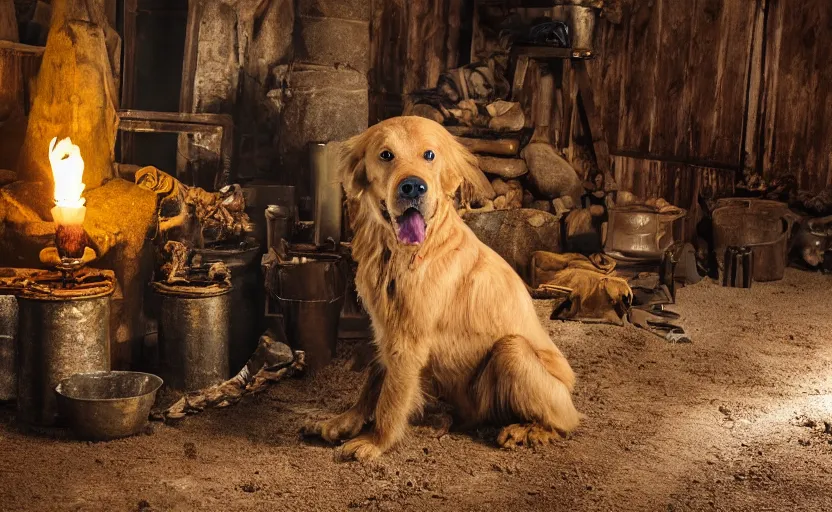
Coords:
pixel 411 227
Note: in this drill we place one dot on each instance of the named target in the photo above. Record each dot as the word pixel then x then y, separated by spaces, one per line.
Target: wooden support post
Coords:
pixel 186 95
pixel 8 22
pixel 599 142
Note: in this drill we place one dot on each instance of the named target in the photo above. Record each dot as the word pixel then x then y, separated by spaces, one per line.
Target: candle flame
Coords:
pixel 67 171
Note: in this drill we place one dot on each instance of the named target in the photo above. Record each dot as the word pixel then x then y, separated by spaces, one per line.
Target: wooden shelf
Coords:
pixel 549 52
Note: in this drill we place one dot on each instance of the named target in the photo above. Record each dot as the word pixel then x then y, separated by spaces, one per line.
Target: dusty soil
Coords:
pixel 738 420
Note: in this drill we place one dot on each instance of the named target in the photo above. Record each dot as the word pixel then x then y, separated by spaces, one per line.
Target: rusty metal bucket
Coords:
pixel 764 226
pixel 310 296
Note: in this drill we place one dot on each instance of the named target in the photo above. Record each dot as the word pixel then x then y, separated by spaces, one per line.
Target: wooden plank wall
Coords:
pixel 411 43
pixel 796 114
pixel 673 79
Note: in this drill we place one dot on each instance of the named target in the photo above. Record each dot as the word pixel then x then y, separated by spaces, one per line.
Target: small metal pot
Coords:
pixel 100 406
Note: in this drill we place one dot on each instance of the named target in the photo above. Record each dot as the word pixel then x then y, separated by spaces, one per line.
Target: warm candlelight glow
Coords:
pixel 67 171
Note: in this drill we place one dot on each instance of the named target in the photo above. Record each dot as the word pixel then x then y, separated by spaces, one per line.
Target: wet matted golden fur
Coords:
pixel 451 318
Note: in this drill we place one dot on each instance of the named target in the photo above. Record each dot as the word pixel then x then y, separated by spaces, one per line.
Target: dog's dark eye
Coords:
pixel 429 155
pixel 386 156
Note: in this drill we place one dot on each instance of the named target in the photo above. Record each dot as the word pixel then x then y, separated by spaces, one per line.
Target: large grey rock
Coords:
pixel 516 234
pixel 333 41
pixel 358 10
pixel 550 173
pixel 324 105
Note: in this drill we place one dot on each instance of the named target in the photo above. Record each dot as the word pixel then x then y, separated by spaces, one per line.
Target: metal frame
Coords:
pixel 141 121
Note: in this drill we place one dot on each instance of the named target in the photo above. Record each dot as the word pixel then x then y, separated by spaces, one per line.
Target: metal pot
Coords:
pixel 639 232
pixel 311 296
pixel 100 406
pixel 763 226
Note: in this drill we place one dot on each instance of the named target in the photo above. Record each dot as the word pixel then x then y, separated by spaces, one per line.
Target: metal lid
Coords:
pixel 87 283
pixel 192 289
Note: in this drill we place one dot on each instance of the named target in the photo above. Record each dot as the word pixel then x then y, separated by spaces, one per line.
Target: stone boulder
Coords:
pixel 550 174
pixel 516 235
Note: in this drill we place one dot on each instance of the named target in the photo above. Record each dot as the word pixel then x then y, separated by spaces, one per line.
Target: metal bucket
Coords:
pixel 581 23
pixel 8 347
pixel 639 232
pixel 310 297
pixel 764 226
pixel 247 295
pixel 57 339
pixel 194 332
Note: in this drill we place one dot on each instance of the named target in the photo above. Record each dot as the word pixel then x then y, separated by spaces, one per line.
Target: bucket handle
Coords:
pixel 315 301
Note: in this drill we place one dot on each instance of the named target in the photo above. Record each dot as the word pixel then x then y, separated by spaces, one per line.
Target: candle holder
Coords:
pixel 71 251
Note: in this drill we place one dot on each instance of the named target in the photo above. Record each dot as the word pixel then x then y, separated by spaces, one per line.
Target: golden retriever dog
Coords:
pixel 451 318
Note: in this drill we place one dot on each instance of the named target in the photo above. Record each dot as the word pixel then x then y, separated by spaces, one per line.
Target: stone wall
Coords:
pixel 290 72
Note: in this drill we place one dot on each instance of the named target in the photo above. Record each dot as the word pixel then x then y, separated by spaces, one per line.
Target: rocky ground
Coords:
pixel 741 419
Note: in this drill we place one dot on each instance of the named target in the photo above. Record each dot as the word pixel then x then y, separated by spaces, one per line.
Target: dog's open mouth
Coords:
pixel 410 227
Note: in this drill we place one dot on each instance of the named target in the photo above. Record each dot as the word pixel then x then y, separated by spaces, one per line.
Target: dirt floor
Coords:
pixel 741 419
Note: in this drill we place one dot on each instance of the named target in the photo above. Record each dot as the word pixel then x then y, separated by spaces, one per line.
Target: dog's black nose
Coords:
pixel 412 188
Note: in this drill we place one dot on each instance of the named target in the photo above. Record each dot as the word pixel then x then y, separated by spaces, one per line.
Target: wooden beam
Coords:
pixel 186 94
pixel 599 141
pixel 752 122
pixel 8 22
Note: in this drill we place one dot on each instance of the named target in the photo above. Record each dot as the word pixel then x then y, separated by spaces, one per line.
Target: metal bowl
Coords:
pixel 100 406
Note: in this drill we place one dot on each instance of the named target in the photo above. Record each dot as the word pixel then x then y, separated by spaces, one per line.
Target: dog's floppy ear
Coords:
pixel 351 170
pixel 461 173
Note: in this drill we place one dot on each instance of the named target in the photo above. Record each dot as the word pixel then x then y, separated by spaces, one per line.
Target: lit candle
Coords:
pixel 69 211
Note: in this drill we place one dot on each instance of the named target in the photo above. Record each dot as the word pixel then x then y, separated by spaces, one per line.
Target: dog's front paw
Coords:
pixel 528 435
pixel 361 448
pixel 344 426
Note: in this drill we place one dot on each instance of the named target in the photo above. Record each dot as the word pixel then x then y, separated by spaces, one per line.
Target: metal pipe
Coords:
pixel 326 185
